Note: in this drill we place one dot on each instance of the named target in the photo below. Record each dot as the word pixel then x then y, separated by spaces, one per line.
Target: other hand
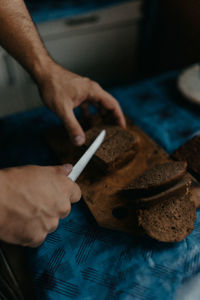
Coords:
pixel 62 91
pixel 32 201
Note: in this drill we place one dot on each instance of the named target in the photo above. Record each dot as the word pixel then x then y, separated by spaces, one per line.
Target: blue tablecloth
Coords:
pixel 83 261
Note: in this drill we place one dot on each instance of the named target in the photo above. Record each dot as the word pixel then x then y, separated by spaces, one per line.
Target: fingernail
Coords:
pixel 67 168
pixel 79 140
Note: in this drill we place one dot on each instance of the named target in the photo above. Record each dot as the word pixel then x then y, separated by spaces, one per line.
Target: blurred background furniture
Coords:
pixel 172 40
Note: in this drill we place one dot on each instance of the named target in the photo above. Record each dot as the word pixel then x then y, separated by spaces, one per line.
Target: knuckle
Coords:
pixel 86 80
pixel 35 245
pixel 94 85
pixel 54 225
pixel 66 209
pixel 38 240
pixel 34 240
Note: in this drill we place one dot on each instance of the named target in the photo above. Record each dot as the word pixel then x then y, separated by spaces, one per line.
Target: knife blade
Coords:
pixel 84 160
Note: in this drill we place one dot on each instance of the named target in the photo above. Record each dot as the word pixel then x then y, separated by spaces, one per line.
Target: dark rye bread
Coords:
pixel 156 180
pixel 190 152
pixel 195 193
pixel 169 221
pixel 118 148
pixel 182 186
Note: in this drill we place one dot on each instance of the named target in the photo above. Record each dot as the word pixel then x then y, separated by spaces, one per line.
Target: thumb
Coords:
pixel 75 131
pixel 67 168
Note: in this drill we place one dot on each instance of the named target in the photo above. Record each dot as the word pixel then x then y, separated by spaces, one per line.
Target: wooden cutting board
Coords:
pixel 101 194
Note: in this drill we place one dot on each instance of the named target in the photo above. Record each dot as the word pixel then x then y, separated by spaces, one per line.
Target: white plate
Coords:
pixel 189 83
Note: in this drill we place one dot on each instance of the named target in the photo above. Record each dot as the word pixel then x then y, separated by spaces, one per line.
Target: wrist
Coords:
pixel 41 68
pixel 3 197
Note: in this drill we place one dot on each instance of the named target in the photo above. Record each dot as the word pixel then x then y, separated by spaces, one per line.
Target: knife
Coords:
pixel 84 160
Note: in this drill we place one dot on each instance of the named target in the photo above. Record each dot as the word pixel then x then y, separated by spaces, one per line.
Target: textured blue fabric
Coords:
pixel 159 109
pixel 83 261
pixel 47 10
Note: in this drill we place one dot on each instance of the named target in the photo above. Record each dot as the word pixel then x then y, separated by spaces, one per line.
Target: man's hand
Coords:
pixel 32 201
pixel 63 90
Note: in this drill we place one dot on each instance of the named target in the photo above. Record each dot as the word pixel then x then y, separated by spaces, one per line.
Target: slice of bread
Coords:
pixel 169 221
pixel 190 152
pixel 118 149
pixel 161 196
pixel 156 180
pixel 182 186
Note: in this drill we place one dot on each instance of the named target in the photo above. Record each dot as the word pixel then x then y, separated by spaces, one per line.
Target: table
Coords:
pixel 83 261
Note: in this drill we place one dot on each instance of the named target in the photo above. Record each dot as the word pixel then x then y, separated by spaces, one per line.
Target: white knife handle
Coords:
pixel 84 160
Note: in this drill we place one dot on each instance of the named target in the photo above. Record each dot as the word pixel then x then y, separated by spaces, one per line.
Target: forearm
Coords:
pixel 61 90
pixel 19 36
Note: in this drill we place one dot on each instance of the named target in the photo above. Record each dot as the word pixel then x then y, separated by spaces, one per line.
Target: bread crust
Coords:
pixel 170 221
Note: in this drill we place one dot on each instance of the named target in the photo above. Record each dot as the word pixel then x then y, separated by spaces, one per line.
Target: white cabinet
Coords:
pixel 101 45
pixel 11 94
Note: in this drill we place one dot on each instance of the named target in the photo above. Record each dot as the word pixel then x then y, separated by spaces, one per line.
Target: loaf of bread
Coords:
pixel 161 197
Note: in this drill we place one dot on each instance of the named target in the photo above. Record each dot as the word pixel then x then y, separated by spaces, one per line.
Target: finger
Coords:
pixel 36 244
pixel 76 194
pixel 66 209
pixel 109 102
pixel 35 241
pixel 64 169
pixel 76 133
pixel 67 168
pixel 53 225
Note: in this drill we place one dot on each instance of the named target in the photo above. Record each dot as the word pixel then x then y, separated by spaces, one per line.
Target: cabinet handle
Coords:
pixel 82 20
